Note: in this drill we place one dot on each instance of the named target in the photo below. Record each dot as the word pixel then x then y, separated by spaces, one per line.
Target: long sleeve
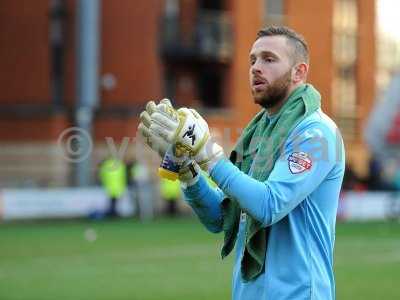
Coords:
pixel 307 159
pixel 205 202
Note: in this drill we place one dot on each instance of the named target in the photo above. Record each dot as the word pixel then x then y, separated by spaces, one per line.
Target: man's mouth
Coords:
pixel 259 83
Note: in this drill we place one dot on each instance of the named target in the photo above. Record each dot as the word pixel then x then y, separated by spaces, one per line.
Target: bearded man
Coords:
pixel 277 195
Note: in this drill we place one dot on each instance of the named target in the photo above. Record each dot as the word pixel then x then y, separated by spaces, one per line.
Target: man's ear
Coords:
pixel 300 72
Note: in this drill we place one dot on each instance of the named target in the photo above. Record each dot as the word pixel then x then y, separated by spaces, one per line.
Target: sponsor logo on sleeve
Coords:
pixel 299 162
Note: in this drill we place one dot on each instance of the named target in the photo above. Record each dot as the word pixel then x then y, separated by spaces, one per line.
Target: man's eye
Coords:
pixel 269 59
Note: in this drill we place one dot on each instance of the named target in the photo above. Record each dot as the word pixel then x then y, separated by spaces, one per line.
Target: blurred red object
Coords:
pixel 393 136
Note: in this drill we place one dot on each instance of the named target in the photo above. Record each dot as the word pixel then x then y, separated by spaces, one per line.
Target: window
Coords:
pixel 274 14
pixel 210 83
pixel 344 90
pixel 211 4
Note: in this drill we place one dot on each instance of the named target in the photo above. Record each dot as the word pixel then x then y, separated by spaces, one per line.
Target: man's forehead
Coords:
pixel 276 44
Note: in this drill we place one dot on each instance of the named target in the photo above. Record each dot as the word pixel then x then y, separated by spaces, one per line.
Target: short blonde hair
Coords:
pixel 296 41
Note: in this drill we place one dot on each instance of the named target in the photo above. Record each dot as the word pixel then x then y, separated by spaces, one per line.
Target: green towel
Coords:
pixel 258 148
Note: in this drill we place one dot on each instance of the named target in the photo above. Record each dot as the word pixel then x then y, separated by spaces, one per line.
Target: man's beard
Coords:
pixel 275 93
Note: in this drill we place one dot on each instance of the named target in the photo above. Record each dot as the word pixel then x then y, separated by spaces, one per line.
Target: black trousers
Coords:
pixel 112 211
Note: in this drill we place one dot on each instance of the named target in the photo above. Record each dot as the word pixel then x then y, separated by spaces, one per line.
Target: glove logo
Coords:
pixel 192 170
pixel 190 133
pixel 299 162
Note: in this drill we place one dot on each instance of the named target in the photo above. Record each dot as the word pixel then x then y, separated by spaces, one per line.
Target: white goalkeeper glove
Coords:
pixel 190 134
pixel 155 142
pixel 183 167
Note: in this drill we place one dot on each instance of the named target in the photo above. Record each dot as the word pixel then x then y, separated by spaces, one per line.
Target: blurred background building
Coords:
pixel 194 51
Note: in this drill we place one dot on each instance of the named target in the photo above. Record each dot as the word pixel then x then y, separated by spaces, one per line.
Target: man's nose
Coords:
pixel 255 68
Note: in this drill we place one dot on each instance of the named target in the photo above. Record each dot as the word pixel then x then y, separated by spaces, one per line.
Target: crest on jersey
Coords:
pixel 299 162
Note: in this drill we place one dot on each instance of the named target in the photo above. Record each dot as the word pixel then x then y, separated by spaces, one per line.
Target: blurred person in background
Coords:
pixel 351 180
pixel 170 193
pixel 277 195
pixel 382 135
pixel 113 178
pixel 133 169
pixel 376 179
pixel 140 189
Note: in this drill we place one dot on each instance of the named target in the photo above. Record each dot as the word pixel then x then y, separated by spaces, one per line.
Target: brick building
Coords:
pixel 195 51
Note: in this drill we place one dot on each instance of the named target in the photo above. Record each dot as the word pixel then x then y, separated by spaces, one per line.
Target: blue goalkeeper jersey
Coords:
pixel 298 201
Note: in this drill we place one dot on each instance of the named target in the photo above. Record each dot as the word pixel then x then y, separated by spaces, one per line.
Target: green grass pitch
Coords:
pixel 168 260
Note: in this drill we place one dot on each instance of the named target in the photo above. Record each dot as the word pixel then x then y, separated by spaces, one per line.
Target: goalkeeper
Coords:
pixel 277 194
